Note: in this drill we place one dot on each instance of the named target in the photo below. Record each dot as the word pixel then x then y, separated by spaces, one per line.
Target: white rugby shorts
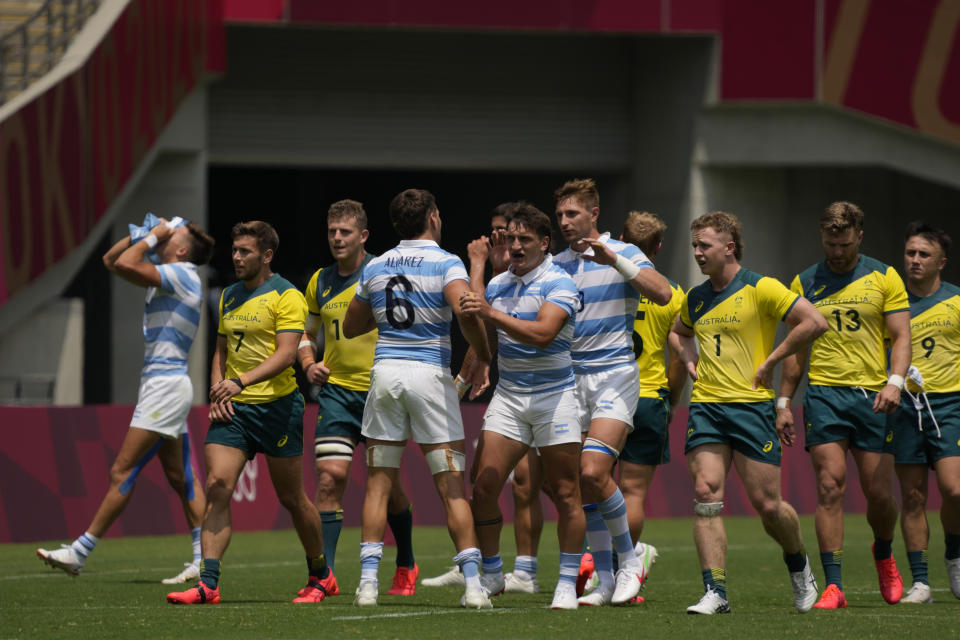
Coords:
pixel 412 399
pixel 163 403
pixel 609 394
pixel 535 419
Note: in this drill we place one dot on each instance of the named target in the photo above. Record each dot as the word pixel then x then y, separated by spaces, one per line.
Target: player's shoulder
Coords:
pixel 867 265
pixel 748 277
pixel 558 276
pixel 950 290
pixel 278 284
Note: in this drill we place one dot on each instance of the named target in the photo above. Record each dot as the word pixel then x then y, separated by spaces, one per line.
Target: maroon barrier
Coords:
pixel 54 465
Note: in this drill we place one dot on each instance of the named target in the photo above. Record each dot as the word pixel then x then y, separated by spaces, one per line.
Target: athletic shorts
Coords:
pixel 535 419
pixel 748 427
pixel 915 446
pixel 272 428
pixel 412 399
pixel 340 412
pixel 609 394
pixel 649 442
pixel 834 414
pixel 163 403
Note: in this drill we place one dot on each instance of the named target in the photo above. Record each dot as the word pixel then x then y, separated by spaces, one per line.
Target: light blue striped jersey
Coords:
pixel 525 368
pixel 170 319
pixel 603 336
pixel 404 288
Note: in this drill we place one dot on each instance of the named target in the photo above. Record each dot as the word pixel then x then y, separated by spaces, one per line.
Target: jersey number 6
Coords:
pixel 393 301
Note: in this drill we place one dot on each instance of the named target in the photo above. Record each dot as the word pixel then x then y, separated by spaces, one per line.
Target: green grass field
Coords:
pixel 119 595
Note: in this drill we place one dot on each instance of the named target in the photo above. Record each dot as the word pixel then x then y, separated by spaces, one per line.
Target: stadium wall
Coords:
pixel 54 466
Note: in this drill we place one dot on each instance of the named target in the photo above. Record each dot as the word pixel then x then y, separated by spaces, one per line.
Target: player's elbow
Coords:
pixel 819 326
pixel 661 294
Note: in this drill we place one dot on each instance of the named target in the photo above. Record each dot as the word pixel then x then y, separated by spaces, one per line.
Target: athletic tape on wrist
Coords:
pixel 895 380
pixel 151 240
pixel 626 268
pixel 783 402
pixel 305 343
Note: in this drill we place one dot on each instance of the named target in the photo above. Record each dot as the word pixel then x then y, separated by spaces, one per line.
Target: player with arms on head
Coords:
pixel 927 425
pixel 532 306
pixel 343 375
pixel 159 425
pixel 662 380
pixel 733 318
pixel 410 295
pixel 255 407
pixel 610 276
pixel 849 392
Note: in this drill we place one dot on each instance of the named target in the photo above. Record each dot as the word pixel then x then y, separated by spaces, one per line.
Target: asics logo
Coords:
pixel 326 292
pixel 767 446
pixel 699 306
pixel 282 441
pixel 890 436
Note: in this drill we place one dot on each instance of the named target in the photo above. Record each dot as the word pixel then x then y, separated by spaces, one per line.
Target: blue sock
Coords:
pixel 210 572
pixel 469 562
pixel 195 539
pixel 527 565
pixel 599 538
pixel 918 565
pixel 614 511
pixel 832 567
pixel 493 564
pixel 85 544
pixel 569 567
pixel 331 522
pixel 370 555
pixel 401 524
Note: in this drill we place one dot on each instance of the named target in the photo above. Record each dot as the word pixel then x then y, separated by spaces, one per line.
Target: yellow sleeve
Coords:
pixel 896 295
pixel 220 328
pixel 311 293
pixel 774 299
pixel 685 311
pixel 291 311
pixel 795 285
pixel 676 301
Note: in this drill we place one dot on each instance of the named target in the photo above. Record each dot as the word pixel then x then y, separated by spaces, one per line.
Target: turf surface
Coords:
pixel 119 594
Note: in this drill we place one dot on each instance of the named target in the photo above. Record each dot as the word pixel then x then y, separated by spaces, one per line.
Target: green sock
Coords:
pixel 715 579
pixel 317 567
pixel 401 524
pixel 832 567
pixel 210 572
pixel 918 565
pixel 330 524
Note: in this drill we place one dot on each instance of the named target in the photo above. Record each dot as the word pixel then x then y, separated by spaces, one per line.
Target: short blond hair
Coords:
pixel 722 222
pixel 840 216
pixel 645 230
pixel 583 189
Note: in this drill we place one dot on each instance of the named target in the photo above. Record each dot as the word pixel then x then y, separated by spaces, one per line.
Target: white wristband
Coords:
pixel 462 386
pixel 626 268
pixel 304 343
pixel 895 380
pixel 151 240
pixel 783 402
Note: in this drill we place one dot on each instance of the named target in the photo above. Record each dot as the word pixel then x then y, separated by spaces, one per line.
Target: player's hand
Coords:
pixel 478 375
pixel 602 254
pixel 162 231
pixel 224 390
pixel 221 411
pixel 887 400
pixel 764 375
pixel 318 373
pixel 472 304
pixel 785 427
pixel 478 250
pixel 691 366
pixel 499 251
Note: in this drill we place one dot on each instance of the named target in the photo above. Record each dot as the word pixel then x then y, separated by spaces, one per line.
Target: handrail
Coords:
pixel 16 44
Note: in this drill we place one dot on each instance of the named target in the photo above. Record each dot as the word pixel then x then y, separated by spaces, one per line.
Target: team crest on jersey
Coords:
pixel 738 301
pixel 767 446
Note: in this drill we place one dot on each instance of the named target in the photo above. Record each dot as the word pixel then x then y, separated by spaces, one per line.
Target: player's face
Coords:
pixel 170 250
pixel 576 221
pixel 922 259
pixel 248 260
pixel 526 248
pixel 711 250
pixel 841 249
pixel 345 238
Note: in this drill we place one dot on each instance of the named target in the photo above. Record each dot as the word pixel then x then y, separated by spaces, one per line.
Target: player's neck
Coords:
pixel 347 266
pixel 260 278
pixel 719 281
pixel 924 289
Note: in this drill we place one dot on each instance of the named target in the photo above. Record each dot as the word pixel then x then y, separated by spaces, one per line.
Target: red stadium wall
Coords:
pixel 54 465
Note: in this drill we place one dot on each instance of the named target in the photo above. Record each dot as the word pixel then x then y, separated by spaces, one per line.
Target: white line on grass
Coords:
pixel 433 612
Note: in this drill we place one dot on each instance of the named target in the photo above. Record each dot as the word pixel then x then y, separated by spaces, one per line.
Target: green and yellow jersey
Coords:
pixel 735 330
pixel 250 321
pixel 328 296
pixel 935 337
pixel 855 304
pixel 651 326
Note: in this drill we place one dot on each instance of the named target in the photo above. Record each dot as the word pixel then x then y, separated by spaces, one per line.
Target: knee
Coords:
pixel 219 490
pixel 829 491
pixel 290 500
pixel 484 494
pixel 118 475
pixel 706 492
pixel 330 483
pixel 768 508
pixel 878 493
pixel 522 492
pixel 950 492
pixel 914 500
pixel 593 476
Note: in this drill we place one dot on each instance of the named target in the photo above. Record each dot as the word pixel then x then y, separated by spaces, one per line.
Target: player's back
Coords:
pixel 404 288
pixel 651 326
pixel 170 319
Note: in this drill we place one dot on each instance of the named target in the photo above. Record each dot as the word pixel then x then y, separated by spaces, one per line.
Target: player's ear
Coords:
pixel 267 256
pixel 364 235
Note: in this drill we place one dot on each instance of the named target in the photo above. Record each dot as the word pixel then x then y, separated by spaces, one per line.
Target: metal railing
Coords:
pixel 33 47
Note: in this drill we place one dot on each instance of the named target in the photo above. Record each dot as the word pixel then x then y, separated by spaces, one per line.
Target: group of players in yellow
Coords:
pixel 595 348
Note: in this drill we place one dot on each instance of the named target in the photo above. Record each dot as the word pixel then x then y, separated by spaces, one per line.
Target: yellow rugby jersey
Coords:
pixel 735 330
pixel 328 296
pixel 935 336
pixel 650 328
pixel 851 353
pixel 250 321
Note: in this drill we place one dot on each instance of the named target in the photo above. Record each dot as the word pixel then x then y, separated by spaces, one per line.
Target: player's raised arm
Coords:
pixel 647 281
